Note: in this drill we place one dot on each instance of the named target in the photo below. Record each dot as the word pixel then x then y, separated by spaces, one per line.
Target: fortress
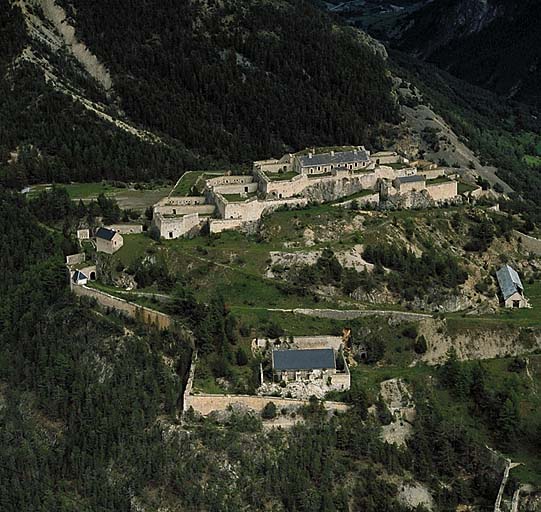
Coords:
pixel 311 176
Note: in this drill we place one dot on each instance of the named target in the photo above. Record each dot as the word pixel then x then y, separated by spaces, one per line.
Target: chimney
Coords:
pixel 332 152
pixel 310 154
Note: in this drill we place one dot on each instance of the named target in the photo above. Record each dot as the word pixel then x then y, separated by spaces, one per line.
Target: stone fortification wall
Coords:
pixel 388 157
pixel 202 209
pixel 341 381
pixel 237 188
pixel 229 180
pixel 174 227
pixel 141 313
pixel 431 174
pixel 126 229
pixel 273 166
pixel 333 188
pixel 219 225
pixel 442 191
pixel 529 243
pixel 288 188
pixel 205 404
pixel 181 201
pixel 306 342
pixel 252 209
pixel 75 259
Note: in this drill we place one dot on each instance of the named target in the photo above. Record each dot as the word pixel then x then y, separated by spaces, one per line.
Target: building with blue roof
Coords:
pixel 511 288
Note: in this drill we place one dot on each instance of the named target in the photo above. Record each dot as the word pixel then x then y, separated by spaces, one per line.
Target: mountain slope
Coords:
pixel 492 43
pixel 132 91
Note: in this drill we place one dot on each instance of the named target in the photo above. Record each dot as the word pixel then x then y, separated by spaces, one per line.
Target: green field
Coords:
pixel 127 197
pixel 504 318
pixel 532 161
pixel 464 188
pixel 281 176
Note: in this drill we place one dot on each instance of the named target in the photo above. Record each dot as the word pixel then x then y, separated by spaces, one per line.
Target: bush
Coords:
pixel 269 411
pixel 410 331
pixel 420 346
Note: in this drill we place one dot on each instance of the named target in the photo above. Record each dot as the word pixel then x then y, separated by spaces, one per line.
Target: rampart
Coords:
pixel 205 404
pixel 75 259
pixel 230 180
pixel 181 201
pixel 237 188
pixel 201 209
pixel 529 243
pixel 174 227
pixel 141 313
pixel 442 191
pixel 127 229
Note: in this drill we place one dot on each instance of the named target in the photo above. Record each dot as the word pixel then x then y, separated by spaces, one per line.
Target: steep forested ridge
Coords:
pixel 217 84
pixel 88 418
pixel 494 44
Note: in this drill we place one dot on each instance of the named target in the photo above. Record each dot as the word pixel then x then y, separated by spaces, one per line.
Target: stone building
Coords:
pixel 511 288
pixel 322 163
pixel 108 240
pixel 405 184
pixel 310 364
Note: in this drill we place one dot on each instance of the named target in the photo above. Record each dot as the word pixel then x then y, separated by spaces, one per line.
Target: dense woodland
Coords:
pixel 446 31
pixel 89 412
pixel 216 94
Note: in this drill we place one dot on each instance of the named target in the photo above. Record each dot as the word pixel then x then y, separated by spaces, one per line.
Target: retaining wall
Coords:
pixel 204 404
pixel 529 243
pixel 442 191
pixel 75 259
pixel 141 313
pixel 127 229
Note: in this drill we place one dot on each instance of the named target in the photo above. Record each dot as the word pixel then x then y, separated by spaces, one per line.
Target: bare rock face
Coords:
pixel 448 304
pixel 331 190
pixel 125 281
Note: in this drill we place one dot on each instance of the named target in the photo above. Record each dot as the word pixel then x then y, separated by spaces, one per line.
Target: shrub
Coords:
pixel 269 411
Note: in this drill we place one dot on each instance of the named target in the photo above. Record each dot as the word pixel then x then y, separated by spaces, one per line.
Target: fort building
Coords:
pixel 311 364
pixel 511 288
pixel 239 201
pixel 108 240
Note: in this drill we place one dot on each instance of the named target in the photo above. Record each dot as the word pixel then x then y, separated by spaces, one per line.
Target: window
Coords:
pixel 516 303
pixel 174 212
pixel 245 189
pixel 170 234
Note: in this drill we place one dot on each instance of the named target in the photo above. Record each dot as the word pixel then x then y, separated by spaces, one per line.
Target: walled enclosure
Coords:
pixel 126 229
pixel 174 227
pixel 529 243
pixel 141 313
pixel 442 191
pixel 205 404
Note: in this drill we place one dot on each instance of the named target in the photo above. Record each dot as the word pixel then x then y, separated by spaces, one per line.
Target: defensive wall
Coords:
pixel 219 225
pixel 174 227
pixel 529 243
pixel 234 179
pixel 75 259
pixel 205 403
pixel 442 191
pixel 237 188
pixel 201 209
pixel 140 313
pixel 273 165
pixel 126 229
pixel 181 201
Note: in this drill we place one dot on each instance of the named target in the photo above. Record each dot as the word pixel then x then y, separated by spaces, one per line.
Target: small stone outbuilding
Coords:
pixel 511 288
pixel 108 240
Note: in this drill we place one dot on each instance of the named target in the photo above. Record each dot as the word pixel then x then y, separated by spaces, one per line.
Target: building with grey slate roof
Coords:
pixel 311 364
pixel 108 240
pixel 511 288
pixel 321 163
